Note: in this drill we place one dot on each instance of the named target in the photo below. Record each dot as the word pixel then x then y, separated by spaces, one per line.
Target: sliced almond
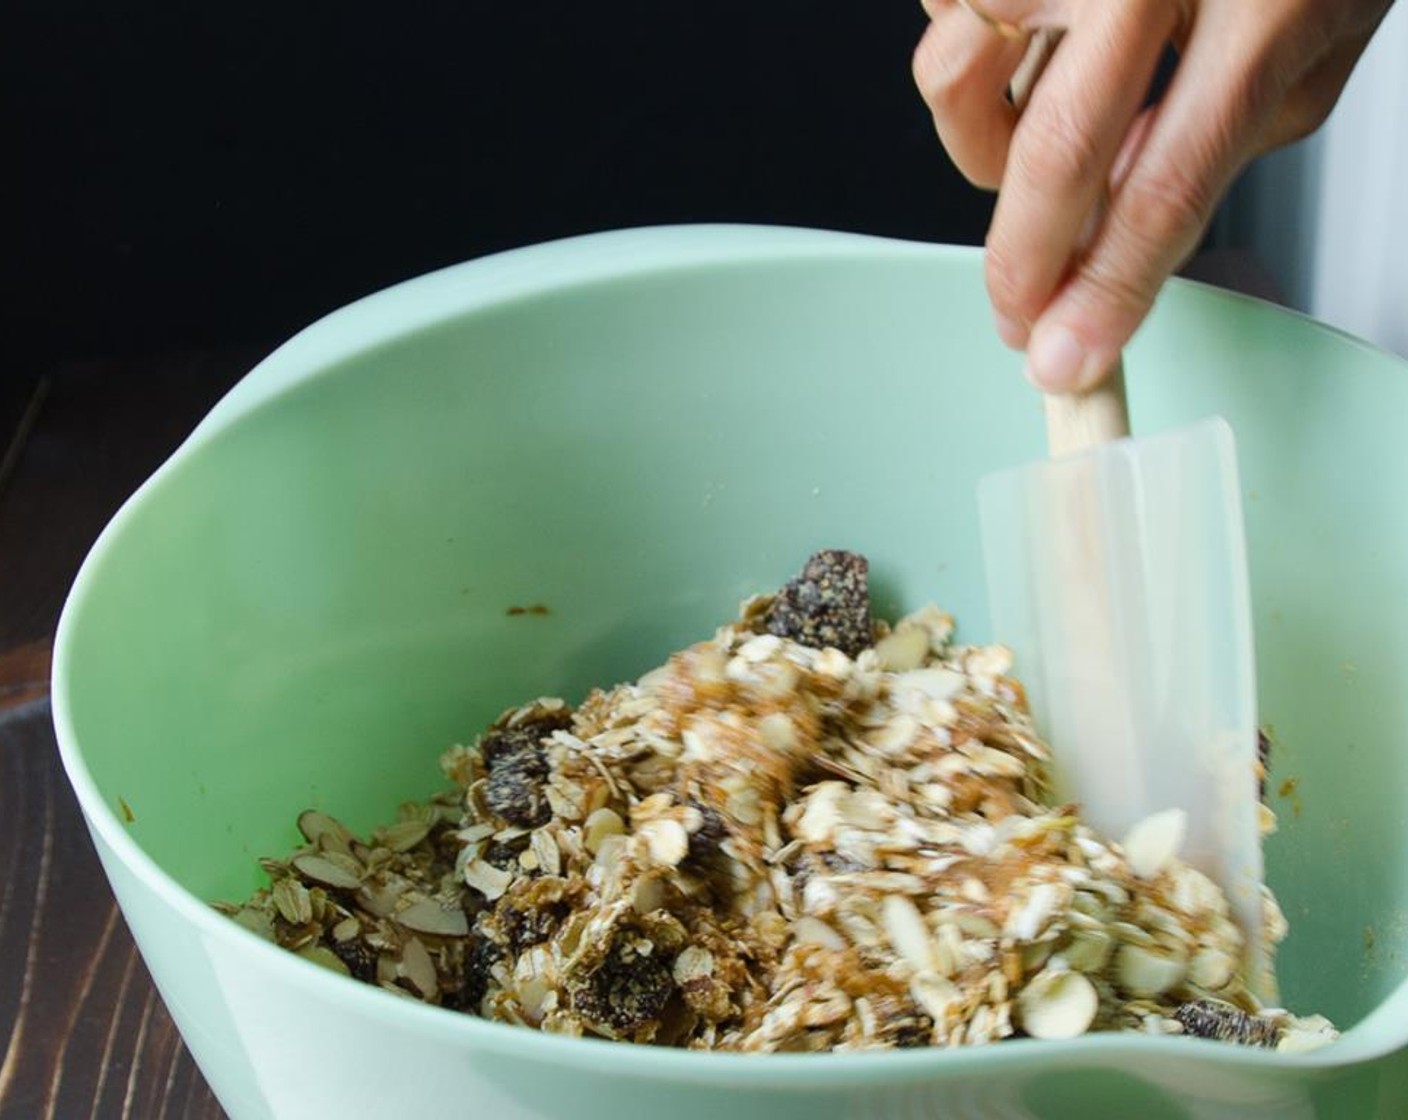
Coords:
pixel 909 936
pixel 1056 1005
pixel 417 967
pixel 426 915
pixel 1148 972
pixel 600 825
pixel 693 963
pixel 807 930
pixel 777 734
pixel 404 835
pixel 322 955
pixel 321 869
pixel 545 848
pixel 1088 950
pixel 1153 843
pixel 487 879
pixel 904 649
pixel 665 841
pixel 346 929
pixel 1211 968
pixel 319 828
pixel 935 995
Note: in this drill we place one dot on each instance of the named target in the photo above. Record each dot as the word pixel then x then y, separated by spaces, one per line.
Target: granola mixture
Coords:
pixel 814 831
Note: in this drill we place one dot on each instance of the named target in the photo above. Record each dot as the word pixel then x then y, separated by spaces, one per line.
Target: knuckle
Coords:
pixel 1055 152
pixel 1302 115
pixel 1162 208
pixel 1011 281
pixel 1250 98
pixel 1131 292
pixel 1128 292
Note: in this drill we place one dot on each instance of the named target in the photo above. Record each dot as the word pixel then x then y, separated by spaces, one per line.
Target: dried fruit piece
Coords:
pixel 1207 1018
pixel 828 605
pixel 626 993
pixel 533 910
pixel 479 963
pixel 768 847
pixel 909 1033
pixel 359 957
pixel 504 854
pixel 518 770
pixel 704 841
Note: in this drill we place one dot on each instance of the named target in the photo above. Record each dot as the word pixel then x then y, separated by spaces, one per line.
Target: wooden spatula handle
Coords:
pixel 1073 422
pixel 1083 420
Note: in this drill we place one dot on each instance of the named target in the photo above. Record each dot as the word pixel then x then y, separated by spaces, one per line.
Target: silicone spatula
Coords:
pixel 1117 574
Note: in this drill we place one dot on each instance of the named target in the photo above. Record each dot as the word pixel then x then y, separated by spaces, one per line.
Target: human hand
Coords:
pixel 1100 199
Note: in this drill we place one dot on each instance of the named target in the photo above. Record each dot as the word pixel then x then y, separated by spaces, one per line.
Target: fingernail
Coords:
pixel 1055 360
pixel 1012 332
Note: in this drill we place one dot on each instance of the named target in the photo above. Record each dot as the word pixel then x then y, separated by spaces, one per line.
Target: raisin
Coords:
pixel 1206 1018
pixel 801 870
pixel 828 605
pixel 838 864
pixel 914 1032
pixel 358 956
pixel 529 927
pixel 704 841
pixel 518 767
pixel 625 993
pixel 504 854
pixel 499 743
pixel 479 963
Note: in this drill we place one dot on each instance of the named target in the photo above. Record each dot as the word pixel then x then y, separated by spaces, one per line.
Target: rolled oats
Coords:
pixel 814 831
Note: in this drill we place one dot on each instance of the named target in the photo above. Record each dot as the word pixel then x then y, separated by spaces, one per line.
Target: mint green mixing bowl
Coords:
pixel 311 599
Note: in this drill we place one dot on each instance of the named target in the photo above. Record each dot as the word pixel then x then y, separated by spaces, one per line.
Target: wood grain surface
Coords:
pixel 88 1035
pixel 84 1032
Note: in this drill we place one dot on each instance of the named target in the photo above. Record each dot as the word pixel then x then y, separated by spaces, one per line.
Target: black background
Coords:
pixel 204 175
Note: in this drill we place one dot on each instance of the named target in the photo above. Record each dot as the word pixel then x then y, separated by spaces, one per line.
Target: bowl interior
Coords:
pixel 312 601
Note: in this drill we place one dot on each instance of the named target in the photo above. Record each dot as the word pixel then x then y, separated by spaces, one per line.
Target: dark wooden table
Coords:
pixel 86 1034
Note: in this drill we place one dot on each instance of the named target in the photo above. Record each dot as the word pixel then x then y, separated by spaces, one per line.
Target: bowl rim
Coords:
pixel 480 285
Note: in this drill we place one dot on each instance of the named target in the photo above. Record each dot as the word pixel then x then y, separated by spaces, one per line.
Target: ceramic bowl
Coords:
pixel 312 598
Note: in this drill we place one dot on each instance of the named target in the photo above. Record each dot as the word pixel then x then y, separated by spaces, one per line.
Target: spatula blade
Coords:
pixel 1118 576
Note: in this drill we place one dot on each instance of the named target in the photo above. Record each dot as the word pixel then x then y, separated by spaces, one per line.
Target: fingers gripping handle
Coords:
pixel 1074 421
